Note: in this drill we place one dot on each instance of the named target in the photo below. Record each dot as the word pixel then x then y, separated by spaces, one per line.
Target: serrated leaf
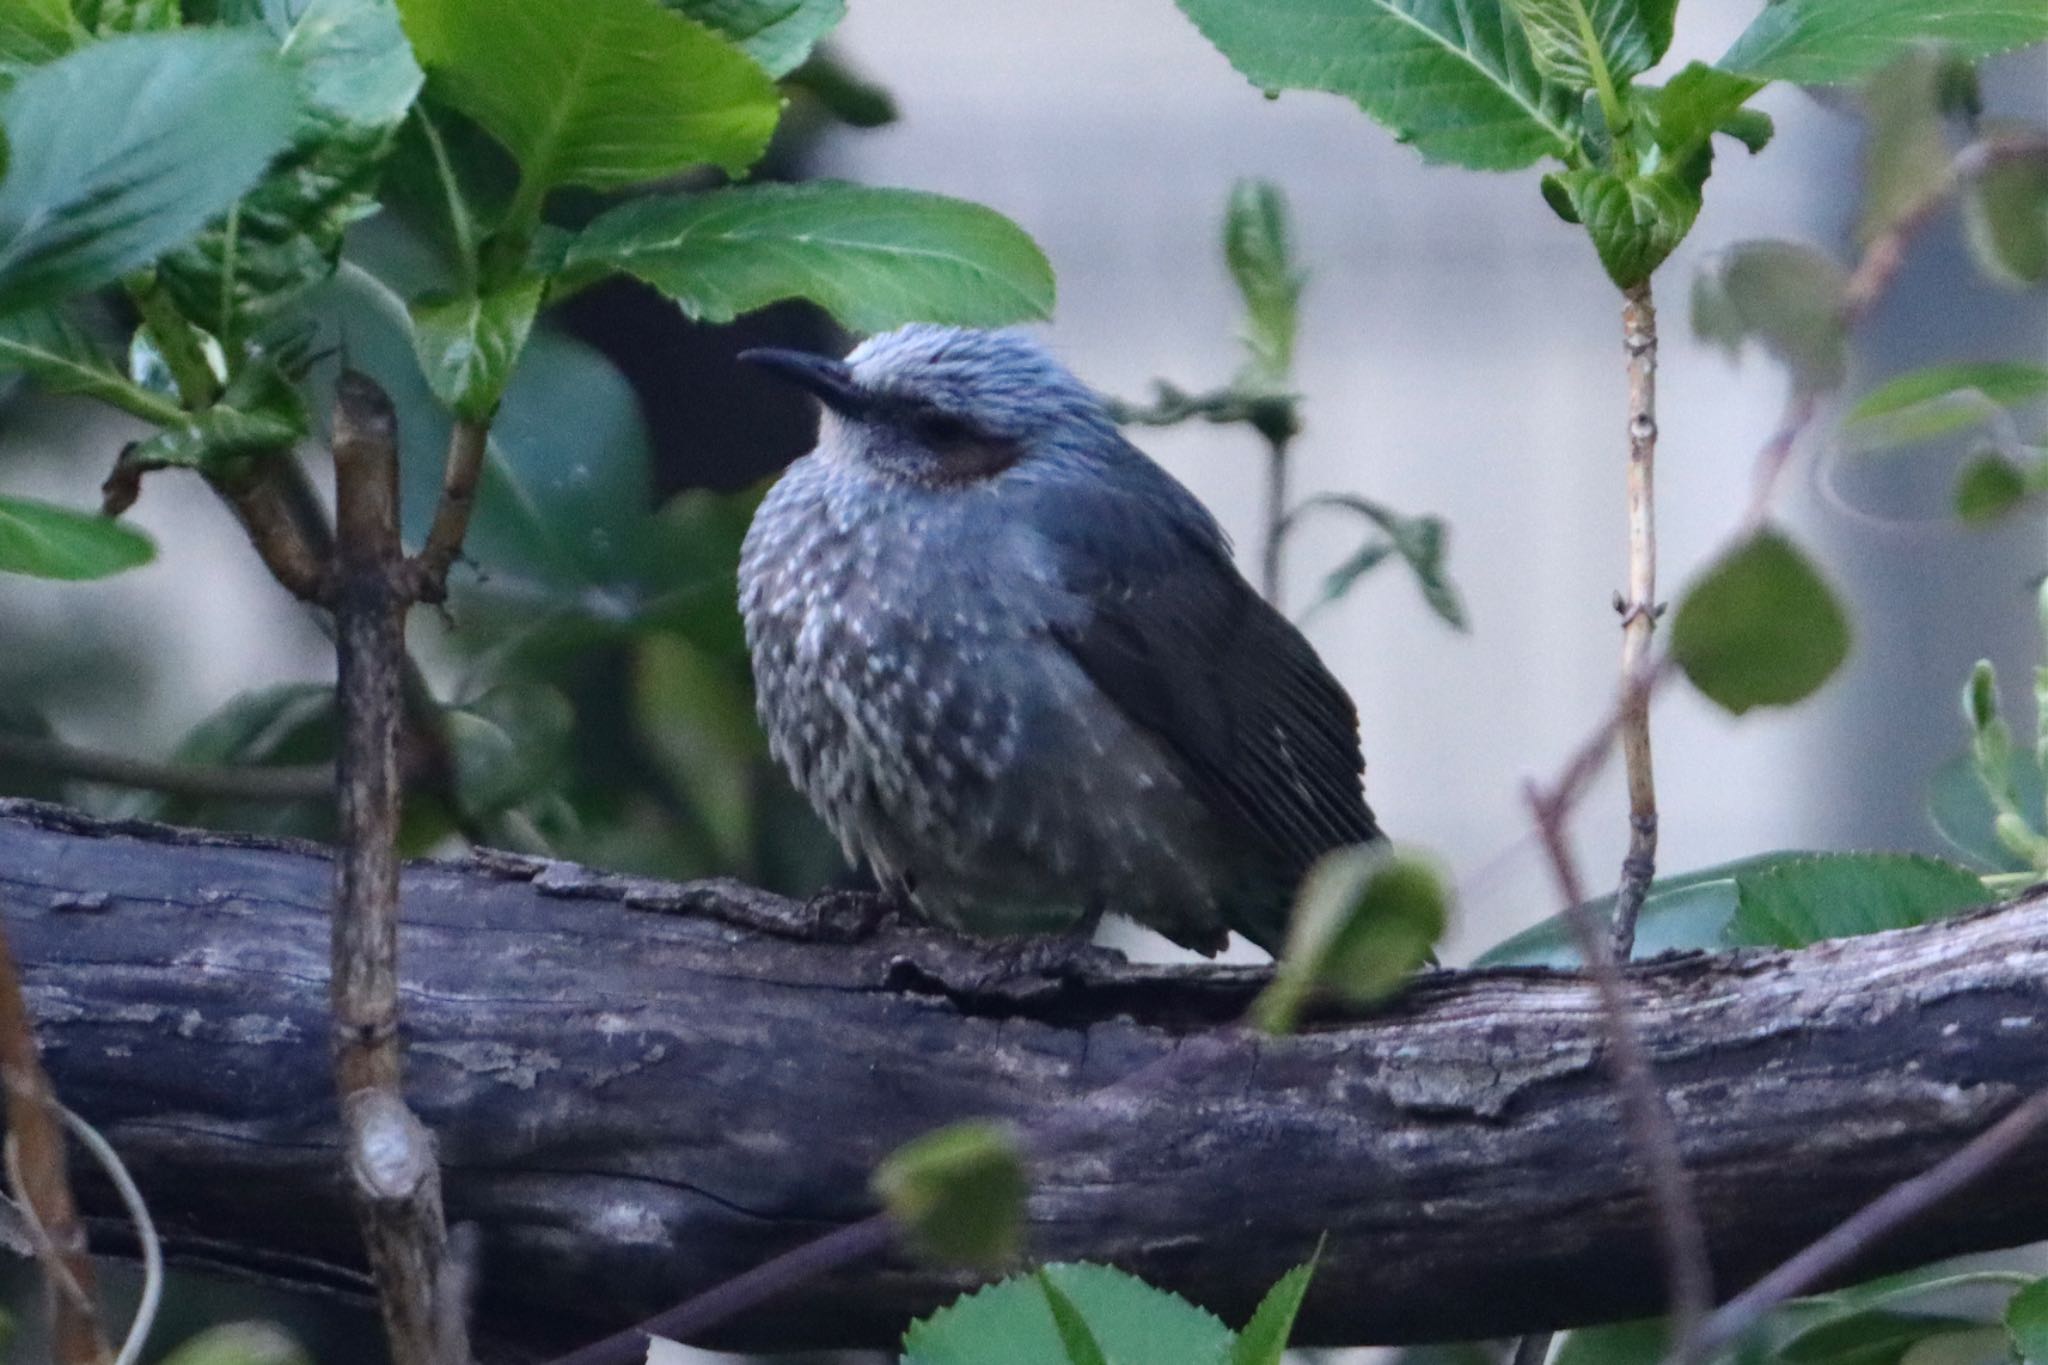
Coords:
pixel 1567 37
pixel 33 32
pixel 1010 1323
pixel 779 34
pixel 1838 895
pixel 1783 296
pixel 873 258
pixel 1365 918
pixel 2026 1321
pixel 1264 1339
pixel 1760 627
pixel 46 343
pixel 468 345
pixel 1459 82
pixel 1636 221
pixel 1988 487
pixel 1826 42
pixel 1924 404
pixel 1258 246
pixel 510 744
pixel 44 540
pixel 86 200
pixel 609 93
pixel 958 1192
pixel 2005 212
pixel 1076 1340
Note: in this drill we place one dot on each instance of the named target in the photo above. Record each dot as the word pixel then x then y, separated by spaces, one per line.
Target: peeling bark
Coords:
pixel 641 1089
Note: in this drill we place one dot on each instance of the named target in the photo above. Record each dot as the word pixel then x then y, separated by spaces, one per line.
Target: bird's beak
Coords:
pixel 829 379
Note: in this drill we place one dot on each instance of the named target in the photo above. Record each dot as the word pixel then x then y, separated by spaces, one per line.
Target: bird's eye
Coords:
pixel 942 429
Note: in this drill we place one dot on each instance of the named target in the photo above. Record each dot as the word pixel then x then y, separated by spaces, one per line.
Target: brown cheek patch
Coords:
pixel 973 461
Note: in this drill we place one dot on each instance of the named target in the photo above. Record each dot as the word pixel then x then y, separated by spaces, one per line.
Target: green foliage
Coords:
pixel 1264 1339
pixel 1782 296
pixel 1823 42
pixel 1635 221
pixel 1595 44
pixel 468 344
pixel 1906 151
pixel 608 93
pixel 510 744
pixel 33 32
pixel 1077 1339
pixel 85 200
pixel 1760 627
pixel 2006 214
pixel 1460 83
pixel 959 1193
pixel 1365 918
pixel 1423 543
pixel 2026 1319
pixel 46 541
pixel 1258 247
pixel 1990 486
pixel 874 258
pixel 46 343
pixel 1980 800
pixel 1838 895
pixel 1691 910
pixel 1923 404
pixel 779 34
pixel 240 1343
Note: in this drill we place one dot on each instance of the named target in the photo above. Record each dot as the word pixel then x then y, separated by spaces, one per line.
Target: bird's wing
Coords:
pixel 1167 628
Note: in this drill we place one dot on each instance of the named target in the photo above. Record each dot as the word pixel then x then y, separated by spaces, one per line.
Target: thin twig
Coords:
pixel 266 502
pixel 467 444
pixel 1859 1233
pixel 145 1236
pixel 1276 523
pixel 42 1188
pixel 395 1179
pixel 197 780
pixel 1639 614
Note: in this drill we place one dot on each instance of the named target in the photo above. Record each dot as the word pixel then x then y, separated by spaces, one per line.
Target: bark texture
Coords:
pixel 641 1089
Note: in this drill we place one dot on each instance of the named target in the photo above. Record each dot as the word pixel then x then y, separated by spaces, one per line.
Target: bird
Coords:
pixel 1009 660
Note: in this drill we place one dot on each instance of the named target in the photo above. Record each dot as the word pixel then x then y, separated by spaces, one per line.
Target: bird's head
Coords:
pixel 944 406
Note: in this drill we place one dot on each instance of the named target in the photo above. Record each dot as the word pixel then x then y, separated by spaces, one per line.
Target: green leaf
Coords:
pixel 1264 1339
pixel 468 345
pixel 1692 910
pixel 240 1343
pixel 1760 627
pixel 33 32
pixel 1697 103
pixel 86 200
pixel 287 725
pixel 695 712
pixel 2026 1320
pixel 1422 542
pixel 2005 212
pixel 779 34
pixel 1643 1342
pixel 47 541
pixel 1010 1323
pixel 1826 42
pixel 1365 918
pixel 608 93
pixel 1783 296
pixel 359 79
pixel 510 744
pixel 1838 895
pixel 1941 399
pixel 873 258
pixel 1635 221
pixel 1989 487
pixel 261 411
pixel 46 343
pixel 1258 246
pixel 1906 151
pixel 1457 81
pixel 1873 1337
pixel 1575 42
pixel 958 1192
pixel 1076 1339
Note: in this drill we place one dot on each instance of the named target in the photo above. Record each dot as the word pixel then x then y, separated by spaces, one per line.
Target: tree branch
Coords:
pixel 1639 614
pixel 199 780
pixel 642 1090
pixel 393 1174
pixel 468 442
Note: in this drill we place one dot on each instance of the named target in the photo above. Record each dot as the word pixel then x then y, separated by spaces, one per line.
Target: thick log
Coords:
pixel 641 1089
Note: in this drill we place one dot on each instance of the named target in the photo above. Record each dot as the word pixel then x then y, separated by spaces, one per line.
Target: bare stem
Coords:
pixel 467 444
pixel 196 780
pixel 35 1151
pixel 1859 1233
pixel 394 1177
pixel 1270 557
pixel 1639 614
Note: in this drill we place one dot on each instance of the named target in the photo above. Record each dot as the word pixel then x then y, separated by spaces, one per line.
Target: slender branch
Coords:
pixel 197 780
pixel 1639 613
pixel 177 343
pixel 144 1228
pixel 394 1178
pixel 1276 523
pixel 467 444
pixel 270 508
pixel 35 1167
pixel 1857 1235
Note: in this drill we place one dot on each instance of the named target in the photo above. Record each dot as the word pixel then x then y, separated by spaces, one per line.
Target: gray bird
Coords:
pixel 1008 659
